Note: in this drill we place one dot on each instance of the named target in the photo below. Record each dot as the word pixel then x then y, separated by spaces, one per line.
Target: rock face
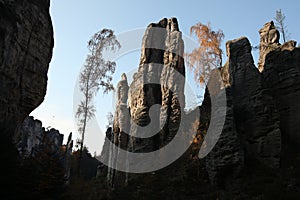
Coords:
pixel 226 159
pixel 172 83
pixel 257 118
pixel 159 80
pixel 269 41
pixel 35 137
pixel 119 134
pixel 67 159
pixel 121 126
pixel 262 108
pixel 102 170
pixel 36 141
pixel 26 43
pixel 251 129
pixel 282 76
pixel 143 92
pixel 261 104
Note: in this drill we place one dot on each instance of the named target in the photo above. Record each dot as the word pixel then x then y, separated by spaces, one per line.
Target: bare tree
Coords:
pixel 280 24
pixel 97 73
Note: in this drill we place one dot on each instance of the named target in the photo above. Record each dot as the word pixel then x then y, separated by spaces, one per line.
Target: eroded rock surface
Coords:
pixel 172 82
pixel 26 43
pixel 269 41
pixel 257 118
pixel 155 96
pixel 145 90
pixel 226 159
pixel 34 137
pixel 261 104
pixel 282 76
pixel 251 130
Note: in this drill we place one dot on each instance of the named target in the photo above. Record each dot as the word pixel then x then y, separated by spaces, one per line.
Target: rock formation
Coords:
pixel 35 140
pixel 34 137
pixel 172 83
pixel 119 135
pixel 265 109
pixel 251 129
pixel 143 92
pixel 226 159
pixel 121 126
pixel 159 80
pixel 257 118
pixel 26 42
pixel 102 170
pixel 269 41
pixel 279 65
pixel 67 159
pixel 32 134
pixel 261 117
pixel 281 76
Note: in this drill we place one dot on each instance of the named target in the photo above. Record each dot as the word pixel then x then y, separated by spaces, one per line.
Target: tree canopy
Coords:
pixel 97 73
pixel 208 55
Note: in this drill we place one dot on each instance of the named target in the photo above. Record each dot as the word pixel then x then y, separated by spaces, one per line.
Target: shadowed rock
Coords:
pixel 269 41
pixel 257 118
pixel 26 43
pixel 282 76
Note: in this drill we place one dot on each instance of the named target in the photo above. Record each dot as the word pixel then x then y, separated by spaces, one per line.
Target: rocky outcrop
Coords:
pixel 269 41
pixel 260 107
pixel 121 125
pixel 67 159
pixel 257 118
pixel 102 170
pixel 144 91
pixel 140 125
pixel 119 135
pixel 172 83
pixel 251 130
pixel 35 138
pixel 159 80
pixel 282 76
pixel 262 110
pixel 26 43
pixel 226 159
pixel 36 141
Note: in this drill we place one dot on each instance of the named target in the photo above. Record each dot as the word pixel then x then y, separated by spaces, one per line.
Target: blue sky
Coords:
pixel 76 21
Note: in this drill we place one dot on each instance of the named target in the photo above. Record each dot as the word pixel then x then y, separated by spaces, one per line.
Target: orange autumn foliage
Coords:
pixel 208 55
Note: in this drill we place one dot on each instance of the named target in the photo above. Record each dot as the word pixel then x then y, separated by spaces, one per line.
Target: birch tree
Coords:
pixel 280 24
pixel 209 53
pixel 96 74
